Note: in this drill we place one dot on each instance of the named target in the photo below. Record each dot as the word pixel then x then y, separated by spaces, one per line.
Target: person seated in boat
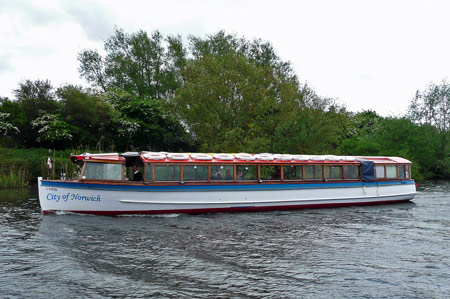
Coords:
pixel 228 175
pixel 137 175
pixel 277 174
pixel 218 176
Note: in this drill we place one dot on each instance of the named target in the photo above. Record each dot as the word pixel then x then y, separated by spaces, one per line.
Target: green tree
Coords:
pixel 143 123
pixel 137 63
pixel 36 98
pixel 230 103
pixel 401 137
pixel 359 138
pixel 238 95
pixel 432 107
pixel 316 126
pixel 89 116
pixel 16 117
pixel 52 132
pixel 6 128
pixel 258 51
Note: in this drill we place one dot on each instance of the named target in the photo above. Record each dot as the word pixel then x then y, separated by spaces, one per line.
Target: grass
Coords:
pixel 20 167
pixel 15 178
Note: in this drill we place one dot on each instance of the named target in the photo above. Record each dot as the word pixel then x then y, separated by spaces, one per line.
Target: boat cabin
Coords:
pixel 184 168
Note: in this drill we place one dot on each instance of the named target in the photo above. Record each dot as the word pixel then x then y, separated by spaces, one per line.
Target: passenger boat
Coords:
pixel 204 183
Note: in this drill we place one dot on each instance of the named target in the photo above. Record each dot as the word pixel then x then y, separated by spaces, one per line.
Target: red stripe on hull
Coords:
pixel 237 209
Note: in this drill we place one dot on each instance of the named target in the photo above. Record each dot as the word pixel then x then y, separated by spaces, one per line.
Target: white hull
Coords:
pixel 122 199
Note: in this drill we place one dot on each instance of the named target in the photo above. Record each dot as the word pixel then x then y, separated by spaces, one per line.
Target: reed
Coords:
pixel 15 178
pixel 21 167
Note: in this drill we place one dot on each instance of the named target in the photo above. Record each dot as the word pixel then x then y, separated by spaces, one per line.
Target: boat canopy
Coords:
pixel 367 169
pixel 366 162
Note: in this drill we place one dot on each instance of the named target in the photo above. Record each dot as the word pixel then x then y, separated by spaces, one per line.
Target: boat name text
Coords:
pixel 71 196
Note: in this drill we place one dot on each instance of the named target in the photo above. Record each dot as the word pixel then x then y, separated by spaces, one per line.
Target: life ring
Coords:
pixel 154 156
pixel 246 157
pixel 201 157
pixel 224 157
pixel 318 158
pixel 265 157
pixel 300 157
pixel 173 156
pixel 283 157
pixel 332 158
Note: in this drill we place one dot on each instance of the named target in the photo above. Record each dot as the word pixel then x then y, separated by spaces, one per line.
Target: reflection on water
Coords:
pixel 381 251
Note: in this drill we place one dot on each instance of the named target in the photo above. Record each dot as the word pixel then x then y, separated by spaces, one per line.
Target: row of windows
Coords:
pixel 109 171
pixel 170 172
pixel 393 172
pixel 249 172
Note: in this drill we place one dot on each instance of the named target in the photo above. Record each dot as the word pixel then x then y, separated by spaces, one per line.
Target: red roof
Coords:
pixel 240 158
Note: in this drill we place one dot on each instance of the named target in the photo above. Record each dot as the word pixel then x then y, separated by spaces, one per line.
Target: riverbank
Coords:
pixel 20 167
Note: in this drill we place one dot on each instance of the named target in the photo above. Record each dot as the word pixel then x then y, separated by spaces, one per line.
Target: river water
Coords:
pixel 388 251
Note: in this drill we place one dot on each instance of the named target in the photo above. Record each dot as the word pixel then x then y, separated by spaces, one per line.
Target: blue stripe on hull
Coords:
pixel 237 187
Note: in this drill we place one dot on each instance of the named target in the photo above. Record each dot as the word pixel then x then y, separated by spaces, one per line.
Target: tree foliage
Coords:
pixel 52 132
pixel 36 97
pixel 6 128
pixel 432 107
pixel 230 103
pixel 13 118
pixel 137 63
pixel 89 115
pixel 143 123
pixel 238 95
pixel 431 110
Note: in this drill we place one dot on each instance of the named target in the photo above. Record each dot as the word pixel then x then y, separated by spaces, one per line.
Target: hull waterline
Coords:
pixel 114 199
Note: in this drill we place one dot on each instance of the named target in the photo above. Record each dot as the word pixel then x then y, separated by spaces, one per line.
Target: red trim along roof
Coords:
pixel 258 158
pixel 381 160
pixel 87 156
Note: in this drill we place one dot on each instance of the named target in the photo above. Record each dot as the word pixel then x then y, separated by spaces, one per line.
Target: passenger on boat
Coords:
pixel 137 176
pixel 228 175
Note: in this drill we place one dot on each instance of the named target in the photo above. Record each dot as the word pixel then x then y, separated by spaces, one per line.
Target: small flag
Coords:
pixel 49 163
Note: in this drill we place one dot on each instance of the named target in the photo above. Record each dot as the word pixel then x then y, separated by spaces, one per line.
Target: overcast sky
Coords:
pixel 366 54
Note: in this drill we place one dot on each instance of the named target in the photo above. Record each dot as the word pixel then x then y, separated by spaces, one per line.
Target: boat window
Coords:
pixel 379 170
pixel 333 172
pixel 401 171
pixel 221 172
pixel 391 172
pixel 148 172
pixel 195 172
pixel 270 172
pixel 352 172
pixel 167 172
pixel 313 172
pixel 103 171
pixel 293 172
pixel 77 171
pixel 247 172
pixel 408 172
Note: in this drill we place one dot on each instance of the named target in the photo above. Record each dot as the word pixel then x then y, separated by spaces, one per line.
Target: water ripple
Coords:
pixel 391 251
